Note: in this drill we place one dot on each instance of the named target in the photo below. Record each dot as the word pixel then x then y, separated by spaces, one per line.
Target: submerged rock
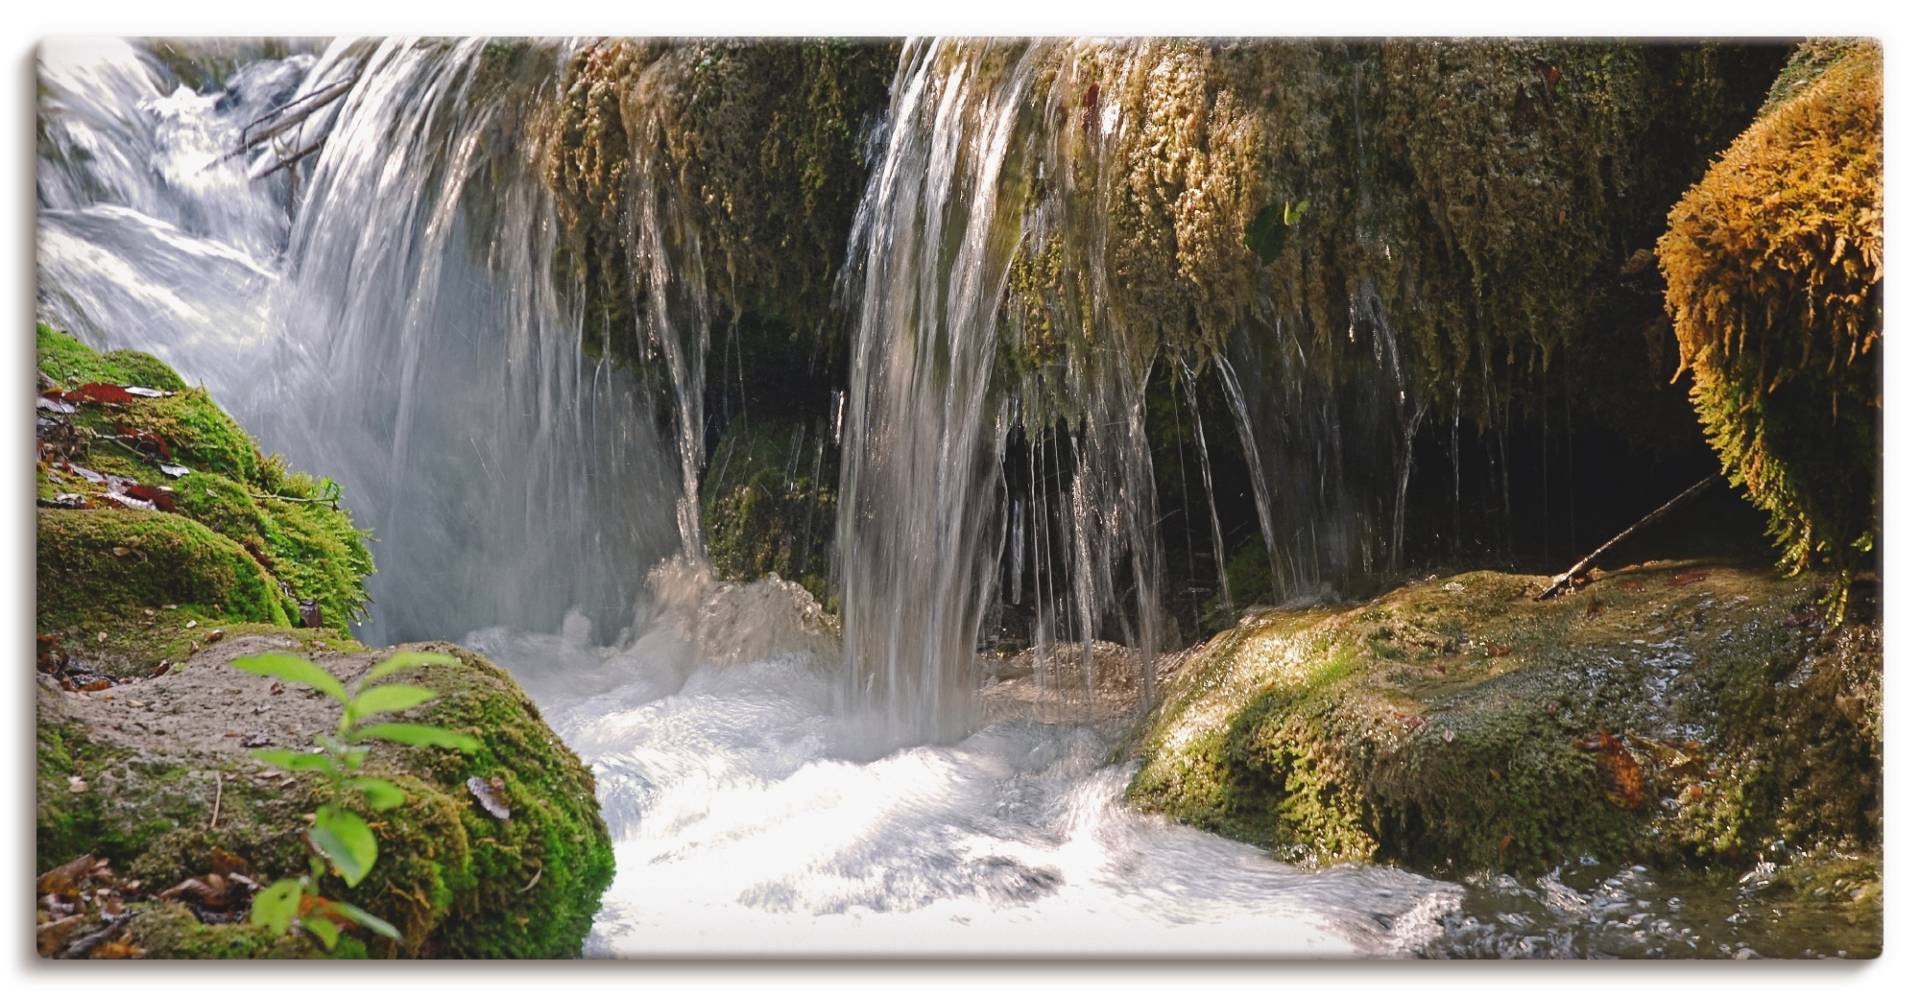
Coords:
pixel 1668 712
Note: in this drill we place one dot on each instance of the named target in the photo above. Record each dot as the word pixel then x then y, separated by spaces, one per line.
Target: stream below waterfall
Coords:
pixel 751 816
pixel 753 810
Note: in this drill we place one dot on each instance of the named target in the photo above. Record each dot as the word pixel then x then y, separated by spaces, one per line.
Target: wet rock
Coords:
pixel 1457 724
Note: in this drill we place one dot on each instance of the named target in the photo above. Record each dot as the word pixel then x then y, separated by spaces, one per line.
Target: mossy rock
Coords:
pixel 246 539
pixel 136 774
pixel 103 568
pixel 766 508
pixel 1670 712
pixel 1773 264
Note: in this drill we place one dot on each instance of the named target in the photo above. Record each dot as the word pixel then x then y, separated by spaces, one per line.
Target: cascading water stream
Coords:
pixel 407 331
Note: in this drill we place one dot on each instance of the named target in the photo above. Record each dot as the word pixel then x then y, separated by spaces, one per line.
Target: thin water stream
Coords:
pixel 390 314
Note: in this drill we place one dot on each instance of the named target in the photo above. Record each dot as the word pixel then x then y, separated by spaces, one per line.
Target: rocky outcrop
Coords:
pixel 156 776
pixel 1671 712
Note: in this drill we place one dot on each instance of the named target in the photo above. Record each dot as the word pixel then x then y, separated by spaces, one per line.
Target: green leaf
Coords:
pixel 1267 233
pixel 416 735
pixel 346 840
pixel 381 794
pixel 388 698
pixel 324 929
pixel 366 919
pixel 293 760
pixel 293 670
pixel 406 659
pixel 274 907
pixel 1292 213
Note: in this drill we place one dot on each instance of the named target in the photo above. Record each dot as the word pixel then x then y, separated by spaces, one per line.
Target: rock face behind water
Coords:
pixel 1671 712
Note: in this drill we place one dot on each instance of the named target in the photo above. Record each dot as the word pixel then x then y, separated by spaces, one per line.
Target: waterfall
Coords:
pixel 918 502
pixel 526 433
pixel 407 329
pixel 926 503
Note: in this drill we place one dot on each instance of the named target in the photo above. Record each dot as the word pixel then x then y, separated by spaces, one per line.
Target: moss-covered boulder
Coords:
pixel 156 776
pixel 161 520
pixel 1668 712
pixel 1773 266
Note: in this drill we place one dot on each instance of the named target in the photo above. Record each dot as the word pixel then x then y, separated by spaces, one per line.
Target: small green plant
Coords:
pixel 339 839
pixel 1267 232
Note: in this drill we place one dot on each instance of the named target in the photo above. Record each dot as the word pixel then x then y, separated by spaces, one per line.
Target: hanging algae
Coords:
pixel 1773 266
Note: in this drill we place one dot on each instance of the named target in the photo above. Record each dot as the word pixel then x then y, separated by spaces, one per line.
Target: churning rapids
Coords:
pixel 395 322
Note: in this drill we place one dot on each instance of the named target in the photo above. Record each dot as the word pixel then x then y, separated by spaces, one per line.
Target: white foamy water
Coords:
pixel 751 816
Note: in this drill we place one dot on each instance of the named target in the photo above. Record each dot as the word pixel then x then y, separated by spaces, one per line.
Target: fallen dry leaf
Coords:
pixel 491 794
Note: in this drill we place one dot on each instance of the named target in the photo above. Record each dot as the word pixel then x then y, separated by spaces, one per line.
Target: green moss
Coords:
pixel 455 880
pixel 171 931
pixel 286 540
pixel 764 509
pixel 533 882
pixel 71 363
pixel 1459 724
pixel 1773 266
pixel 764 145
pixel 99 566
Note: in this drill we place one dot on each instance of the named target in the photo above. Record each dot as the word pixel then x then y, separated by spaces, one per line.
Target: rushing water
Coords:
pixel 389 312
pixel 751 815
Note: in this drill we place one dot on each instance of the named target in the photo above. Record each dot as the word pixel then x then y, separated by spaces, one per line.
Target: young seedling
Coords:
pixel 339 839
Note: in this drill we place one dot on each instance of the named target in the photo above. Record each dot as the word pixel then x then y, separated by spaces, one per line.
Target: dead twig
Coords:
pixel 1563 581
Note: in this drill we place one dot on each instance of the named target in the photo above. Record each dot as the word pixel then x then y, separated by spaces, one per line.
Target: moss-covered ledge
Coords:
pixel 1672 712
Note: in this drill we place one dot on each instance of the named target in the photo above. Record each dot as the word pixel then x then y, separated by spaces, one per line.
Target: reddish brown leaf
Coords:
pixel 51 936
pixel 146 438
pixel 1687 577
pixel 122 948
pixel 106 394
pixel 161 498
pixel 1619 771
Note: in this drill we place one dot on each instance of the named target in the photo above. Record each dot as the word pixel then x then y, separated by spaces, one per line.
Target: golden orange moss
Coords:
pixel 1773 265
